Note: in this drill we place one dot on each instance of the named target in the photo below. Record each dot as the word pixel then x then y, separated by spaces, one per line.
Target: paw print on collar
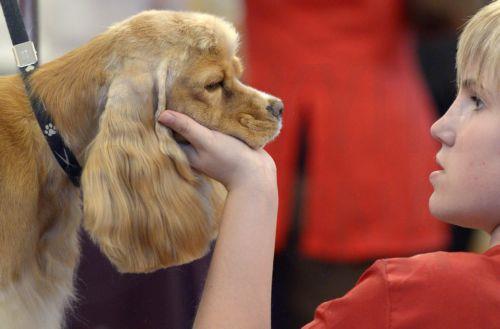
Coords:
pixel 50 130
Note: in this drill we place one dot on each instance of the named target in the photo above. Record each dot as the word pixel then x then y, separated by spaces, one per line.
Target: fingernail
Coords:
pixel 166 117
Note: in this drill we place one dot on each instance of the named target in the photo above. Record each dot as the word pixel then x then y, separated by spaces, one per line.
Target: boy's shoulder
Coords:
pixel 442 263
pixel 438 265
pixel 434 290
pixel 447 275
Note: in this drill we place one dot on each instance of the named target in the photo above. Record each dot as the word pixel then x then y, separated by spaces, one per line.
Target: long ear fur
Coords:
pixel 142 203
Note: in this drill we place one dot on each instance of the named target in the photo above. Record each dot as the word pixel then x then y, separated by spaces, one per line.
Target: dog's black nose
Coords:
pixel 275 108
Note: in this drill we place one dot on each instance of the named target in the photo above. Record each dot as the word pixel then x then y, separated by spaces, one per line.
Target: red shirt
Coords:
pixel 436 290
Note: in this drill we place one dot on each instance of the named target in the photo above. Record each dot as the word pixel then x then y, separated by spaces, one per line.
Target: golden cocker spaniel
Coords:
pixel 142 203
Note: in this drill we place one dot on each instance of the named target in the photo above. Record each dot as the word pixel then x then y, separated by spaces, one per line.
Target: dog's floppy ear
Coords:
pixel 142 204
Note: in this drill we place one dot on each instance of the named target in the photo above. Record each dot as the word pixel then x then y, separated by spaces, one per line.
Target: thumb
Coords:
pixel 192 131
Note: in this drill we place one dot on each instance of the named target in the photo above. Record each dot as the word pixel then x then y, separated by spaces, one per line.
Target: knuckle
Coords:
pixel 210 140
pixel 184 128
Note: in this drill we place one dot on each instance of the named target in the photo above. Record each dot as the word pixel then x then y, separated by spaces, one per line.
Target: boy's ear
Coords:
pixel 142 203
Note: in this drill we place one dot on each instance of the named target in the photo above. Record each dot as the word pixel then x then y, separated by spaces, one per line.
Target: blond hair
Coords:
pixel 478 55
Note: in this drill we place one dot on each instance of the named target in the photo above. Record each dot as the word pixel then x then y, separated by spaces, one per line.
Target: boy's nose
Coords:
pixel 442 131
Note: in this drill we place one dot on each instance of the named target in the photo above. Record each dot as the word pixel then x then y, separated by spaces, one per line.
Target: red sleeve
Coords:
pixel 365 306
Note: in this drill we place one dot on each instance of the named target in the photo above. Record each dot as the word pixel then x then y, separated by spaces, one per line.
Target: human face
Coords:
pixel 467 188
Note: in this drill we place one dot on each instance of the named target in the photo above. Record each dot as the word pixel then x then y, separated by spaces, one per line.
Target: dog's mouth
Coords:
pixel 271 127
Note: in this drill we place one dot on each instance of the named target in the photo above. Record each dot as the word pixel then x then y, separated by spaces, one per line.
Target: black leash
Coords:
pixel 27 62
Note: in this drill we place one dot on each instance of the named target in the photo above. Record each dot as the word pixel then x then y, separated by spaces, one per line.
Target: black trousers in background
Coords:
pixel 300 285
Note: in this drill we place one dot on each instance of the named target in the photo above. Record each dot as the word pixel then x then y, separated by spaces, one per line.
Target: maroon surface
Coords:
pixel 164 299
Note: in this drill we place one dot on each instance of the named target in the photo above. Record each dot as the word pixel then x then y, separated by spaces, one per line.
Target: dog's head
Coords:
pixel 143 204
pixel 208 89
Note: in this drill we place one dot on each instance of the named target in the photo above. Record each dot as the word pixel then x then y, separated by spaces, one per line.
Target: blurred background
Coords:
pixel 362 82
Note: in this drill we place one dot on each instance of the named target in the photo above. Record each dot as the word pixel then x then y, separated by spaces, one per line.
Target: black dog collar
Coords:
pixel 26 59
pixel 60 150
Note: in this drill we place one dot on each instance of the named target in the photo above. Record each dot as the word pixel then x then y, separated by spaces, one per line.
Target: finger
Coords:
pixel 191 130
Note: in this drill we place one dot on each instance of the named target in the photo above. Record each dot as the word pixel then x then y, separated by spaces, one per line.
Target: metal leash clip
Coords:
pixel 25 55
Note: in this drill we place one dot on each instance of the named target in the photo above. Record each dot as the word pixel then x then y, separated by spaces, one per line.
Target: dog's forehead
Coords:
pixel 198 30
pixel 210 65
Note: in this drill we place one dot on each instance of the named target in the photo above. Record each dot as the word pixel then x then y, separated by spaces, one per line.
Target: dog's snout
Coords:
pixel 275 107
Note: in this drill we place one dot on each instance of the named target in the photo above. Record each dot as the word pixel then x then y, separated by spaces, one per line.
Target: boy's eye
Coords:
pixel 478 103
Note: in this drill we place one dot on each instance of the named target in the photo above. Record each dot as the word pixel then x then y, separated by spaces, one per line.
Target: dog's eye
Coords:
pixel 214 86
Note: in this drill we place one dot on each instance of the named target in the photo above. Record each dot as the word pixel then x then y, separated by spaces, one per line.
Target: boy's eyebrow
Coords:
pixel 475 87
pixel 472 85
pixel 469 84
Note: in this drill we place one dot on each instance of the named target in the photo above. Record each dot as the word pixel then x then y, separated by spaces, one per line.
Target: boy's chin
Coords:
pixel 434 206
pixel 441 211
pixel 453 215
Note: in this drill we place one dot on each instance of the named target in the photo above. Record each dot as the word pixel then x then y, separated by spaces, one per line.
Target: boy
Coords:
pixel 436 290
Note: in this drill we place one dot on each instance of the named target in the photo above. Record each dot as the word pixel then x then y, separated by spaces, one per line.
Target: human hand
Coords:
pixel 222 157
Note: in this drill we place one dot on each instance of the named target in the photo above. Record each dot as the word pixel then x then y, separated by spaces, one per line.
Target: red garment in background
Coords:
pixel 432 291
pixel 347 73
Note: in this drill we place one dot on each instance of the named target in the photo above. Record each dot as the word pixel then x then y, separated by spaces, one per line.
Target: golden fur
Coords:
pixel 142 203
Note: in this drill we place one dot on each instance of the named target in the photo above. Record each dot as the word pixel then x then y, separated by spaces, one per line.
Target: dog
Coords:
pixel 140 201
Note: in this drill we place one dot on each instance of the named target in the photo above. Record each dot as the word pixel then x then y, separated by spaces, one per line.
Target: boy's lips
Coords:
pixel 440 170
pixel 433 176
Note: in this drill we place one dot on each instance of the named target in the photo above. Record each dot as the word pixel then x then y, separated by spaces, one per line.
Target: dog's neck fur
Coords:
pixel 79 99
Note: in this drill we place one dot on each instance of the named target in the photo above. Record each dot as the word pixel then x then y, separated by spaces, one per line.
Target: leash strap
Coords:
pixel 27 62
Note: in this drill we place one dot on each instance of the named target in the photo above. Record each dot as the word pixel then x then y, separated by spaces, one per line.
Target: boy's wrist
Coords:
pixel 257 186
pixel 260 180
pixel 260 186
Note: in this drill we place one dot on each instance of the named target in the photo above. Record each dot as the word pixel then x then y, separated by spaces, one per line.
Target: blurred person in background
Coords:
pixel 358 115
